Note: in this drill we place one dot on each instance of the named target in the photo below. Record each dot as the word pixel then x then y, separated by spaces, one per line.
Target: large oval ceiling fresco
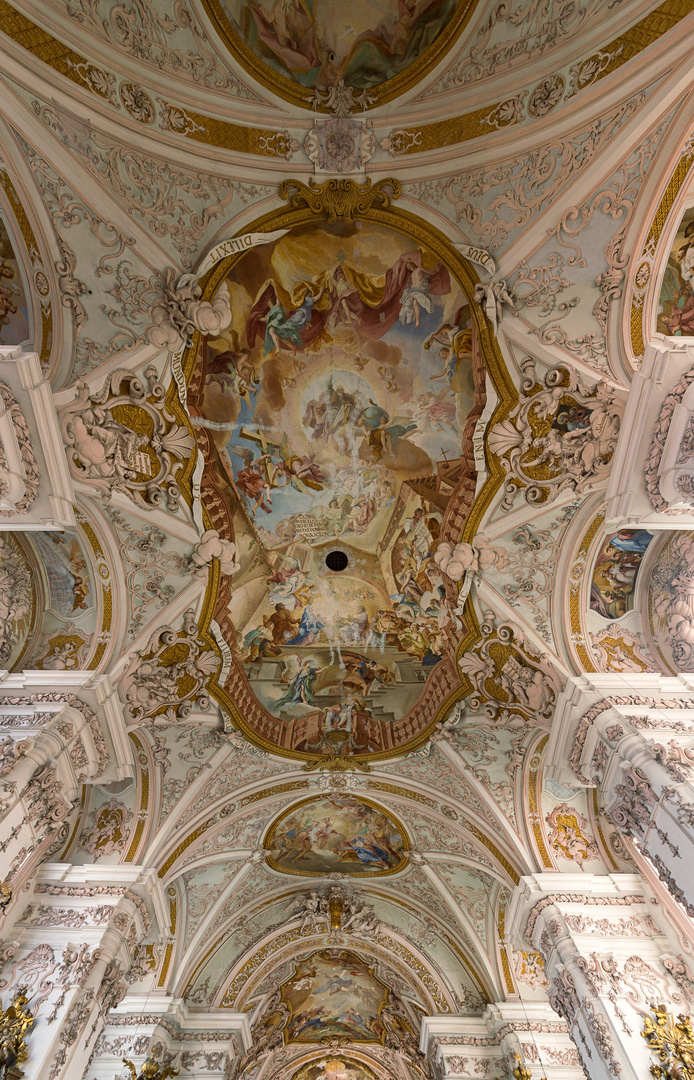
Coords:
pixel 338 403
pixel 295 47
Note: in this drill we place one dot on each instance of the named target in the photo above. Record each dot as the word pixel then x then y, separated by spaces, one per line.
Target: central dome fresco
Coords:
pixel 295 47
pixel 336 406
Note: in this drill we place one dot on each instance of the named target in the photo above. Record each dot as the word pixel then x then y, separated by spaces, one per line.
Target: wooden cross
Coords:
pixel 261 440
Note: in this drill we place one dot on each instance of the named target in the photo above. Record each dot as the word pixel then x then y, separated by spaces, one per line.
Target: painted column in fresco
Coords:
pixel 509 1034
pixel 609 951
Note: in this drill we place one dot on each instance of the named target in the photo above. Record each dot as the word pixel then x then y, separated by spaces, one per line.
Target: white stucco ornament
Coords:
pixel 456 561
pixel 212 546
pixel 493 297
pixel 179 312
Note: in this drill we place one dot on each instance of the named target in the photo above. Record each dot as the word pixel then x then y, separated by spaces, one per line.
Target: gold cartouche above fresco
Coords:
pixel 295 47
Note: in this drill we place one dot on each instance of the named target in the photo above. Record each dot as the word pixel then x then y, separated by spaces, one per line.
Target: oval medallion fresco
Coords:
pixel 336 834
pixel 614 575
pixel 296 46
pixel 337 402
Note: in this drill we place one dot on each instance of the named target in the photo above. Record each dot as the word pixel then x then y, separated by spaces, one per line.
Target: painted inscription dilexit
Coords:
pixel 337 402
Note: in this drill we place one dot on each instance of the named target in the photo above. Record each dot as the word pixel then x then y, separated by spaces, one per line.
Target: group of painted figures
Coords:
pixel 345 389
pixel 416 623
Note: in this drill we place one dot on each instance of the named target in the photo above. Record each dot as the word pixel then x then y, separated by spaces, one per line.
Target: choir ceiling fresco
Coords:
pixel 349 464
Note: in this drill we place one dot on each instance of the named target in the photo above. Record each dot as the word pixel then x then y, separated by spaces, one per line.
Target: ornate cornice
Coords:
pixel 576 898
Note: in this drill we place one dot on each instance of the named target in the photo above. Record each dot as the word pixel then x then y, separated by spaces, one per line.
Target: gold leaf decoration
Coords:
pixel 339 198
pixel 671 1042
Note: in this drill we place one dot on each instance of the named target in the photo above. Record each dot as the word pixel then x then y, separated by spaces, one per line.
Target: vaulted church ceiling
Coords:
pixel 346 462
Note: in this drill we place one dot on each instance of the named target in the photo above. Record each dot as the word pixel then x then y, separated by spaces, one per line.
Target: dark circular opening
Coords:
pixel 337 560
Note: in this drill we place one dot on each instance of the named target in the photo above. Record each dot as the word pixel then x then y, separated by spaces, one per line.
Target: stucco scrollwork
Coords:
pixel 671 598
pixel 669 470
pixel 107 830
pixel 511 34
pixel 635 803
pixel 340 198
pixel 168 677
pixel 508 677
pixel 123 438
pixel 569 834
pixel 19 474
pixel 174 42
pixel 561 435
pixel 44 799
pixel 16 596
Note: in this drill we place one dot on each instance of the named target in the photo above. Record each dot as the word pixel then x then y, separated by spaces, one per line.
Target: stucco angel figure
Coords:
pixel 314 918
pixel 16 1022
pixel 492 298
pixel 102 447
pixel 362 921
pixel 526 685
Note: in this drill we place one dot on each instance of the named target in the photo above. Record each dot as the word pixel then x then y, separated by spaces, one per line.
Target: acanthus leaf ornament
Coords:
pixel 338 198
pixel 336 763
pixel 671 1042
pixel 123 438
pixel 341 99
